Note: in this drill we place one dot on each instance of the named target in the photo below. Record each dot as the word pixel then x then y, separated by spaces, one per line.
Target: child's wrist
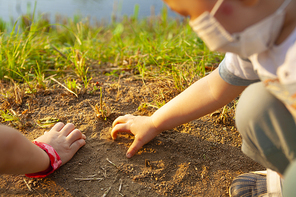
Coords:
pixel 157 126
pixel 55 161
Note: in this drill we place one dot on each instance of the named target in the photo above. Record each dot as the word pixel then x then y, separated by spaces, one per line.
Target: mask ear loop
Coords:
pixel 284 5
pixel 216 7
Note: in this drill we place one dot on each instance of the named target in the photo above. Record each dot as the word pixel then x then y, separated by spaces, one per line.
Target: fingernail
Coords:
pixel 128 155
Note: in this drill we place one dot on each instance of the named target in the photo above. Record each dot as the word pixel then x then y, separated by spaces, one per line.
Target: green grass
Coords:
pixel 152 48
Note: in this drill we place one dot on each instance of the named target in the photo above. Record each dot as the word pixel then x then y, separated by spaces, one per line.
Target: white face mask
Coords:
pixel 254 39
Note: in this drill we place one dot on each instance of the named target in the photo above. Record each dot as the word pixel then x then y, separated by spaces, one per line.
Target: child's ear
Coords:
pixel 249 2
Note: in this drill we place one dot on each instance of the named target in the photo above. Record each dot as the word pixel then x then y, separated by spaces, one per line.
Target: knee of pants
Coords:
pixel 267 128
pixel 254 107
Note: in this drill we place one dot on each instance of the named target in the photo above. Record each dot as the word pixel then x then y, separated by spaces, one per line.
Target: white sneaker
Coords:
pixel 257 184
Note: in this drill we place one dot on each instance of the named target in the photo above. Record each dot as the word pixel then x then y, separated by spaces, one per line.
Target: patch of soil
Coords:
pixel 199 158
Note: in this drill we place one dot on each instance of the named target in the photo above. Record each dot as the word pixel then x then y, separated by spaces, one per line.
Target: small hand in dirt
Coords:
pixel 141 127
pixel 65 139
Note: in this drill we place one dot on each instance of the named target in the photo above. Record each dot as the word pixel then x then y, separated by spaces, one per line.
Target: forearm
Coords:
pixel 19 155
pixel 203 97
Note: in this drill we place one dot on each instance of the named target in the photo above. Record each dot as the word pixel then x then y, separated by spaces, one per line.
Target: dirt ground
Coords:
pixel 199 158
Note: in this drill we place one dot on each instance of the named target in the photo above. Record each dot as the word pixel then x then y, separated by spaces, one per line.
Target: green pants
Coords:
pixel 267 128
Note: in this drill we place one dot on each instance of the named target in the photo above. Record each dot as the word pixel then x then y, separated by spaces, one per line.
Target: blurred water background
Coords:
pixel 97 10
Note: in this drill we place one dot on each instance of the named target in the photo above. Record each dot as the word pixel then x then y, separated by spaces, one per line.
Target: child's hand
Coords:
pixel 65 139
pixel 141 126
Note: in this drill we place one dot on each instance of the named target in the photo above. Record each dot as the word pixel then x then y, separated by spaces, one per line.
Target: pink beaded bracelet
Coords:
pixel 55 161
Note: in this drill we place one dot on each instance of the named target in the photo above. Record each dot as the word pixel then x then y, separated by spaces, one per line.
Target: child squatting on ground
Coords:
pixel 258 37
pixel 44 155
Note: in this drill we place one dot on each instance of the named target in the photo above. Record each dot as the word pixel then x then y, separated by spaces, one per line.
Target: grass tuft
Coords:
pixel 154 47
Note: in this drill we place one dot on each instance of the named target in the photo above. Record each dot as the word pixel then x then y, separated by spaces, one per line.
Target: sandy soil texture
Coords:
pixel 199 158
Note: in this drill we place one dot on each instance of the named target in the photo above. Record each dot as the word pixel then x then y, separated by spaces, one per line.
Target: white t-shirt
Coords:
pixel 276 68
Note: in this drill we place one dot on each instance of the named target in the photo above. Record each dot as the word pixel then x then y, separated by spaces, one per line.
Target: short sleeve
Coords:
pixel 237 71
